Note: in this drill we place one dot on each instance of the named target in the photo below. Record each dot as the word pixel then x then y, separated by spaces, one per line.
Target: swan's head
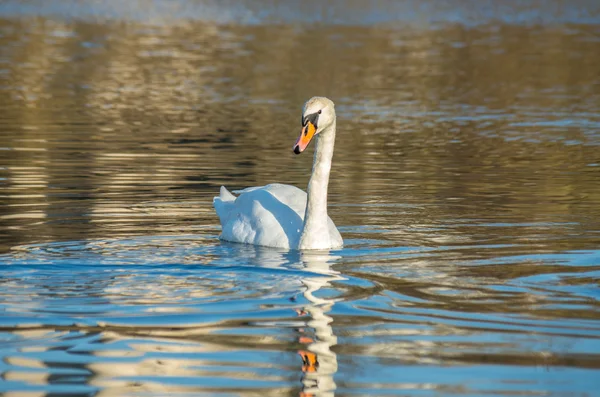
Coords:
pixel 318 114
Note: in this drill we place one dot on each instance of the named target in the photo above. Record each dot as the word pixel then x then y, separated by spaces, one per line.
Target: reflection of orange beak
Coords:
pixel 310 363
pixel 307 134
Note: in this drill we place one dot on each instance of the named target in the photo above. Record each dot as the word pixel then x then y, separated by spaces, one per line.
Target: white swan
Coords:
pixel 283 216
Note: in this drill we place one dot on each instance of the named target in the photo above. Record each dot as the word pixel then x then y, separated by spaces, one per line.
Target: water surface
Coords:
pixel 466 183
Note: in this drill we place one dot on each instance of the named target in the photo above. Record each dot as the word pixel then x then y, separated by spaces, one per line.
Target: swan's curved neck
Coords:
pixel 316 229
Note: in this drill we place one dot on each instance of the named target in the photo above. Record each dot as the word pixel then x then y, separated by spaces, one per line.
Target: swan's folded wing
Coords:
pixel 259 217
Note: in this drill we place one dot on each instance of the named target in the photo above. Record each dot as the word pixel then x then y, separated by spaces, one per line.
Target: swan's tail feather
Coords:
pixel 223 204
pixel 225 195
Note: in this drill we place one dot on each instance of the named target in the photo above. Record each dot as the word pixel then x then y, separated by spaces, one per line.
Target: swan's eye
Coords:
pixel 319 111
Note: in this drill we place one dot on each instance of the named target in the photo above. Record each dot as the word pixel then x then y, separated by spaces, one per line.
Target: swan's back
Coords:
pixel 269 215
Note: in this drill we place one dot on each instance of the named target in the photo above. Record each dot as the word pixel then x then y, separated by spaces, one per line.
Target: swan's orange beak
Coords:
pixel 307 134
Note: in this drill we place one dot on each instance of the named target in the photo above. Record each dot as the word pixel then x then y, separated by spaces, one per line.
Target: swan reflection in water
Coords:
pixel 319 362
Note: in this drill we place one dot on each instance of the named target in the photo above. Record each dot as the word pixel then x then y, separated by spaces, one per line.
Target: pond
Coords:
pixel 465 182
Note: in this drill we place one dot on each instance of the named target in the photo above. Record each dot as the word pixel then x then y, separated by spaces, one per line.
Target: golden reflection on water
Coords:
pixel 98 119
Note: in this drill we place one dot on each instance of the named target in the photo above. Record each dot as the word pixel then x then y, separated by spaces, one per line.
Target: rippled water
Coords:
pixel 466 183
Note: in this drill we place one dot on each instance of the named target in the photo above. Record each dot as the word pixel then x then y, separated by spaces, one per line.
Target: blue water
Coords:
pixel 187 314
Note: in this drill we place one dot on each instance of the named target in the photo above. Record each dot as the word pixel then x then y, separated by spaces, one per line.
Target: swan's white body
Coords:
pixel 284 216
pixel 272 216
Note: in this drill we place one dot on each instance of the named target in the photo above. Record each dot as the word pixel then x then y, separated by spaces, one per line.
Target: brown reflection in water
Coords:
pixel 108 124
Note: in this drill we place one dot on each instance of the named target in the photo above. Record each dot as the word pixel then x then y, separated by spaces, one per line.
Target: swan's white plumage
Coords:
pixel 271 216
pixel 284 216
